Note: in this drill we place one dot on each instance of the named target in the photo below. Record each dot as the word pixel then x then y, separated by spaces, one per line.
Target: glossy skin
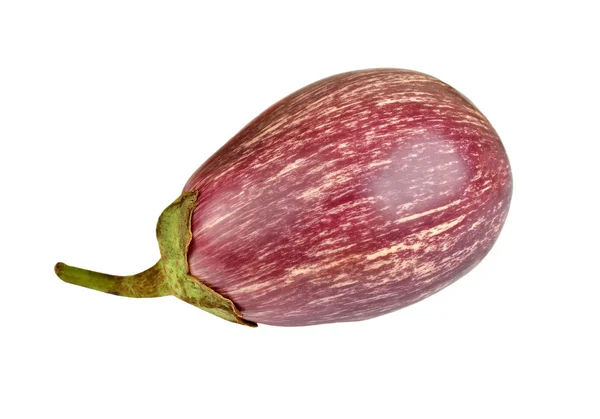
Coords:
pixel 351 198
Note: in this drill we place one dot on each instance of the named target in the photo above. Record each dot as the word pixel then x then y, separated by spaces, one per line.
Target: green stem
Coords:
pixel 170 275
pixel 143 285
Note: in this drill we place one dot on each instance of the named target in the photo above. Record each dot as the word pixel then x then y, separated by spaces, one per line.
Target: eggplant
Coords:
pixel 351 198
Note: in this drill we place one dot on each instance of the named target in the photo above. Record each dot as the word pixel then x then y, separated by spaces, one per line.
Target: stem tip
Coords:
pixel 58 268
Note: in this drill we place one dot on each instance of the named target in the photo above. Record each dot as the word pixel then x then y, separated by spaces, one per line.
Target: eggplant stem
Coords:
pixel 170 275
pixel 142 285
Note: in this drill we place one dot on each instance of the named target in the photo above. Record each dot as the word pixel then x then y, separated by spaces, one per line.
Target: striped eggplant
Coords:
pixel 351 198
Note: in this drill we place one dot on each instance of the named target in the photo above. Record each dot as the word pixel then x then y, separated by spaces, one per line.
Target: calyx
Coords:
pixel 170 275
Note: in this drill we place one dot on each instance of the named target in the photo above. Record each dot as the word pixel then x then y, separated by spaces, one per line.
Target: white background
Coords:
pixel 106 108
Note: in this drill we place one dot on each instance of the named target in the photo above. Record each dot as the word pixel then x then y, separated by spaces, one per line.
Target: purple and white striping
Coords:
pixel 351 198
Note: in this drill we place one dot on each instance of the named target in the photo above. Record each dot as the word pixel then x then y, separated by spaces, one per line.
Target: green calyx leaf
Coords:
pixel 170 275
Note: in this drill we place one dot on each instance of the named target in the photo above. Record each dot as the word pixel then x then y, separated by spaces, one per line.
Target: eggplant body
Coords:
pixel 351 198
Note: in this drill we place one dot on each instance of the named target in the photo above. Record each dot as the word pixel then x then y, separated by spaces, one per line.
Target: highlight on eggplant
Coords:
pixel 353 197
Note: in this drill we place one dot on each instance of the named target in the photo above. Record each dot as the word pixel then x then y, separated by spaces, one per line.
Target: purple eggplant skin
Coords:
pixel 353 197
